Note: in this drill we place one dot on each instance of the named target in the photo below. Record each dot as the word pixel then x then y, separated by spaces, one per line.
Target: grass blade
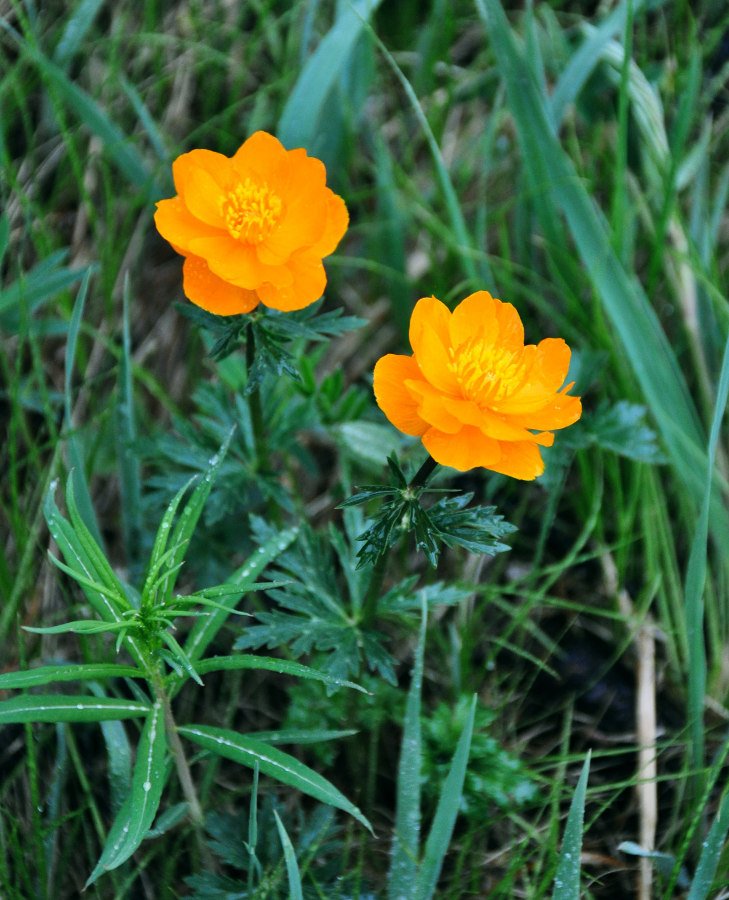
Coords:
pixel 77 26
pixel 75 456
pixel 273 762
pixel 405 851
pixel 552 174
pixel 583 62
pixel 695 583
pixel 711 853
pixel 93 116
pixel 567 879
pixel 292 867
pixel 125 431
pixel 300 123
pixel 445 815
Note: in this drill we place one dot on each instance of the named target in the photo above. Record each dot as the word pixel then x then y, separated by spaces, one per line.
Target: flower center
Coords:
pixel 251 211
pixel 485 372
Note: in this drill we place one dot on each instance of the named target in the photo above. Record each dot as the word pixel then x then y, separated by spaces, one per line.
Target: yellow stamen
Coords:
pixel 486 373
pixel 251 211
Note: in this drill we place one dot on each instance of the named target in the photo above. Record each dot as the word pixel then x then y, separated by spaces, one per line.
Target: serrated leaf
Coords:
pixel 273 762
pixel 137 814
pixel 57 708
pixel 367 492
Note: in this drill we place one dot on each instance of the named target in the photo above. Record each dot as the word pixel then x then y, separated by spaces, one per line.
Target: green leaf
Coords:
pixel 620 427
pixel 403 874
pixel 567 879
pixel 477 528
pixel 119 753
pixel 273 762
pixel 75 30
pixel 33 289
pixel 67 672
pixel 301 735
pixel 696 581
pixel 583 62
pixel 266 663
pixel 445 815
pixel 160 554
pixel 125 434
pixel 301 122
pixel 56 708
pixel 711 853
pixel 81 626
pixel 189 516
pixel 205 629
pixel 292 868
pixel 137 814
pixel 367 442
pixel 77 475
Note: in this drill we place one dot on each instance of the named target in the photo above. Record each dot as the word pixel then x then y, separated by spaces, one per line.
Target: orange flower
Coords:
pixel 252 228
pixel 473 391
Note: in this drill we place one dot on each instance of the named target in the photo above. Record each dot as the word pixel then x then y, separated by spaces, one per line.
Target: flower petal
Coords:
pixel 550 361
pixel 473 316
pixel 430 339
pixel 238 263
pixel 392 373
pixel 464 450
pixel 336 225
pixel 176 225
pixel 217 165
pixel 262 153
pixel 308 280
pixel 519 459
pixel 204 198
pixel 205 289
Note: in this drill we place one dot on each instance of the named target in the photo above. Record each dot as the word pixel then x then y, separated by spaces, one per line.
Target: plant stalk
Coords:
pixel 263 464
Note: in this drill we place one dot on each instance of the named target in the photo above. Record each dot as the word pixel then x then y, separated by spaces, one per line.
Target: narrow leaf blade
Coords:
pixel 279 765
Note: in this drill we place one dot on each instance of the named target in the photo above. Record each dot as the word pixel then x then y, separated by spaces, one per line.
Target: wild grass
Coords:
pixel 572 163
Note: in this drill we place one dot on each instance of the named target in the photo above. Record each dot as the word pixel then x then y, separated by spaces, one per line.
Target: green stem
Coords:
pixel 420 478
pixel 369 608
pixel 263 465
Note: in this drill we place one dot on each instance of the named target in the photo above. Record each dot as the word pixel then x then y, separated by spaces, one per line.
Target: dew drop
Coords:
pixel 147 786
